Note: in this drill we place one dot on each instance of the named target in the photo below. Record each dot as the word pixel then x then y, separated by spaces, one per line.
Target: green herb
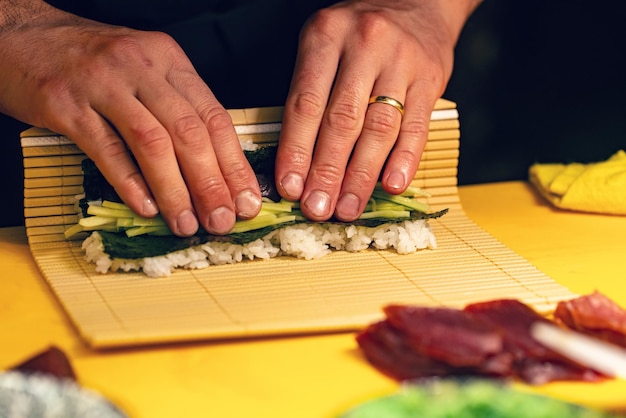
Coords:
pixel 471 399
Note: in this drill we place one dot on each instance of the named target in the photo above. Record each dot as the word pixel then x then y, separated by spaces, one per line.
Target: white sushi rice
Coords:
pixel 307 241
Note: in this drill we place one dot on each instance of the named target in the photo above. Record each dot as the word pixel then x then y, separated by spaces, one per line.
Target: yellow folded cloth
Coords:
pixel 595 187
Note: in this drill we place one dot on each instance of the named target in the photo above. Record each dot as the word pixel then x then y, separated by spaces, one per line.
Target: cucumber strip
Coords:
pixel 92 223
pixel 251 225
pixel 276 207
pixel 142 230
pixel 375 206
pixel 96 221
pixel 109 212
pixel 411 191
pixel 114 205
pixel 125 222
pixel 402 200
pixel 294 205
pixel 114 216
pixel 139 221
pixel 258 222
pixel 387 214
pixel 73 230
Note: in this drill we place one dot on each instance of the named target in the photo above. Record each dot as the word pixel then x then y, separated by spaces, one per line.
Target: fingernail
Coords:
pixel 396 180
pixel 292 184
pixel 348 207
pixel 248 204
pixel 221 220
pixel 318 203
pixel 186 223
pixel 149 207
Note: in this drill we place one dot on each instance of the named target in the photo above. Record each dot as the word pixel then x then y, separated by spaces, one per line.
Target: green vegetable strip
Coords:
pixel 96 221
pixel 113 216
pixel 143 230
pixel 251 225
pixel 273 207
pixel 388 214
pixel 259 221
pixel 110 213
pixel 402 200
pixel 114 205
pixel 375 205
pixel 410 191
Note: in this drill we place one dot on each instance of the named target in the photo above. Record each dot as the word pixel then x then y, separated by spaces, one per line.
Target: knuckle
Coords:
pixel 372 25
pixel 295 154
pixel 111 149
pixel 121 49
pixel 382 121
pixel 53 93
pixel 153 140
pixel 407 156
pixel 164 39
pixel 362 176
pixel 308 105
pixel 217 119
pixel 327 174
pixel 129 183
pixel 322 27
pixel 235 168
pixel 417 127
pixel 210 188
pixel 187 128
pixel 344 116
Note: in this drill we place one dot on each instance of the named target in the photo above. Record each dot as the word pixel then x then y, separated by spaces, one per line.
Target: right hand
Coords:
pixel 132 101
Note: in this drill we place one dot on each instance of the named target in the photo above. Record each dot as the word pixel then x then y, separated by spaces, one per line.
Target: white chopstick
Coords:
pixel 601 356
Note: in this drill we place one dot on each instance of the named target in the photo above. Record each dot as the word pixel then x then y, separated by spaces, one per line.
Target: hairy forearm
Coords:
pixel 17 14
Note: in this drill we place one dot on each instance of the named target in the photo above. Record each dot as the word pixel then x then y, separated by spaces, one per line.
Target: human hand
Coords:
pixel 334 146
pixel 132 101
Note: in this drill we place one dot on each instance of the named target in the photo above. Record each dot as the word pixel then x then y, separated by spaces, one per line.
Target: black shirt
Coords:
pixel 244 49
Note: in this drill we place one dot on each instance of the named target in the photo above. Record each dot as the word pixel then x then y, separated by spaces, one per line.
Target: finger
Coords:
pixel 339 131
pixel 152 147
pixel 404 159
pixel 315 69
pixel 103 145
pixel 233 165
pixel 195 154
pixel 377 138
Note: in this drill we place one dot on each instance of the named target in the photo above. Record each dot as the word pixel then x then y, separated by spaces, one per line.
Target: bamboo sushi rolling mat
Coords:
pixel 281 296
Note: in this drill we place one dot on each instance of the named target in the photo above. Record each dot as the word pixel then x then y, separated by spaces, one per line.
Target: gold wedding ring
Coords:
pixel 388 100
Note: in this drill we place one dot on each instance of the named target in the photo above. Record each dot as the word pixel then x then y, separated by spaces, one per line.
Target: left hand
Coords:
pixel 333 145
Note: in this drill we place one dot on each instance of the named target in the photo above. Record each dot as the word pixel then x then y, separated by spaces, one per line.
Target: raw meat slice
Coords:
pixel 387 350
pixel 449 335
pixel 594 315
pixel 534 363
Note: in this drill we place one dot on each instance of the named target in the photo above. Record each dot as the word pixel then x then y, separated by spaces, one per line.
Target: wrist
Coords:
pixel 455 14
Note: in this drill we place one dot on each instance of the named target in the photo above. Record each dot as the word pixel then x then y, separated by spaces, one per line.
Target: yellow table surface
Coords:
pixel 306 376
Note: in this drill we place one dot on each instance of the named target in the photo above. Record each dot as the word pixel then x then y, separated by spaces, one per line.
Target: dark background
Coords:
pixel 539 81
pixel 534 81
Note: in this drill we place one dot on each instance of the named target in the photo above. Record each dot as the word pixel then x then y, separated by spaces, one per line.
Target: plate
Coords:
pixel 43 396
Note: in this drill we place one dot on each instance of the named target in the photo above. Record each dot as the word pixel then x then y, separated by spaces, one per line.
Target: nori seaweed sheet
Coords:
pixel 262 161
pixel 118 245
